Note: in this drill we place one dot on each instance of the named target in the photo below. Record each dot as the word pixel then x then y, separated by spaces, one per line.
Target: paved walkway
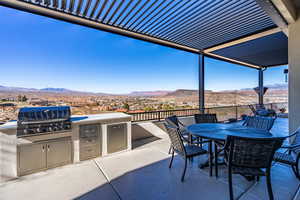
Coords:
pixel 143 173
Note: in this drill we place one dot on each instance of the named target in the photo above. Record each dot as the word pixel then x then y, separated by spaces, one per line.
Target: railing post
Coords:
pixel 236 112
pixel 158 115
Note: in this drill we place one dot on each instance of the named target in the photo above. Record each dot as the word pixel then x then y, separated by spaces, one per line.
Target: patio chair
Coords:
pixel 186 151
pixel 291 155
pixel 258 122
pixel 260 110
pixel 211 118
pixel 249 156
pixel 253 110
pixel 174 121
pixel 205 118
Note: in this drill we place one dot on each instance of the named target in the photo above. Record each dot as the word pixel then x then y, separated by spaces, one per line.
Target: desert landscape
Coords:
pixel 82 103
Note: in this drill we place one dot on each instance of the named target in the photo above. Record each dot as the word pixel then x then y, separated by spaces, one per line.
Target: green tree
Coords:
pixel 148 109
pixel 19 97
pixel 167 107
pixel 24 98
pixel 126 106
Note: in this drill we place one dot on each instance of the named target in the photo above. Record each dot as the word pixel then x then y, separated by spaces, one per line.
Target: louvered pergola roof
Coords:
pixel 197 26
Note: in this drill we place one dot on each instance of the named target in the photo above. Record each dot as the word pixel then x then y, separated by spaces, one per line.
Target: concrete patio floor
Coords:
pixel 143 173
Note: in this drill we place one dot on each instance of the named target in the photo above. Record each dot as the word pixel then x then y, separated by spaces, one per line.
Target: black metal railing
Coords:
pixel 224 113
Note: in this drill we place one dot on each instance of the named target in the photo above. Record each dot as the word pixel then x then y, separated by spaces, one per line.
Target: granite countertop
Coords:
pixel 99 117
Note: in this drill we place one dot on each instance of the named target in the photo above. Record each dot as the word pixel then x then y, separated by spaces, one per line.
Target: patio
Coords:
pixel 238 32
pixel 144 174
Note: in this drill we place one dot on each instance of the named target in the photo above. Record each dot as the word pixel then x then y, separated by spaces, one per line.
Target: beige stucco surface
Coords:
pixel 294 75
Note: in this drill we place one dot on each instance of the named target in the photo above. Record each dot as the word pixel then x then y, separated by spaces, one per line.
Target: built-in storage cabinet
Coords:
pixel 31 157
pixel 59 153
pixel 116 137
pixel 42 155
pixel 90 138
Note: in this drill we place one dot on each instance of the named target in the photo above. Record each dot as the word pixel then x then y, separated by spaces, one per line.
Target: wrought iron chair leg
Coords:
pixel 297 167
pixel 184 170
pixel 297 170
pixel 269 185
pixel 216 160
pixel 201 140
pixel 171 161
pixel 210 158
pixel 230 184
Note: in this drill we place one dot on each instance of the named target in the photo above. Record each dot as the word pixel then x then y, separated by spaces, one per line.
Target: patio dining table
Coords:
pixel 219 132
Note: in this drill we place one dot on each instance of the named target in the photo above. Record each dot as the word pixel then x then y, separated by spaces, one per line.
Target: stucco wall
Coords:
pixel 294 75
pixel 142 130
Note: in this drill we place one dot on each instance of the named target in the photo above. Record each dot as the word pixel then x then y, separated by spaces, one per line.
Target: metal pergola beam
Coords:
pixel 242 40
pixel 222 58
pixel 287 9
pixel 274 14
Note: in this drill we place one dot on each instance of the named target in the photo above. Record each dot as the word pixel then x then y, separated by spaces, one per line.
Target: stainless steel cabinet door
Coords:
pixel 31 158
pixel 59 153
pixel 116 137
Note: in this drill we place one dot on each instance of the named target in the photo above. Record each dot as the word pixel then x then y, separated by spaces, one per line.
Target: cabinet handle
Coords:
pixel 43 148
pixel 48 147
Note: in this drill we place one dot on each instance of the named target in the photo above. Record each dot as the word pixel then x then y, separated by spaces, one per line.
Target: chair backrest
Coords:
pixel 172 121
pixel 251 152
pixel 258 122
pixel 205 118
pixel 252 109
pixel 260 107
pixel 174 135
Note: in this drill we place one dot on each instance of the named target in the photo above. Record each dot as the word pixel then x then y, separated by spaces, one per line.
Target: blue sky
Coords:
pixel 40 52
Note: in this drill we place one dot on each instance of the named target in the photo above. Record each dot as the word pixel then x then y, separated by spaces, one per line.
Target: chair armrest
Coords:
pixel 293 134
pixel 185 140
pixel 180 123
pixel 203 142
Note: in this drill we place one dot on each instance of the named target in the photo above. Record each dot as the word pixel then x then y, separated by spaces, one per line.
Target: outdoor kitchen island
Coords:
pixel 88 137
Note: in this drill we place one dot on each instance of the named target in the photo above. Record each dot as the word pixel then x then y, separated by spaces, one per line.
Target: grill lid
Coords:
pixel 41 114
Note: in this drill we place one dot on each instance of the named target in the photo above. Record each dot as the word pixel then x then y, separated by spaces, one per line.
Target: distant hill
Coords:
pixel 56 90
pixel 277 86
pixel 182 93
pixel 48 91
pixel 149 93
pixel 158 93
pixel 20 89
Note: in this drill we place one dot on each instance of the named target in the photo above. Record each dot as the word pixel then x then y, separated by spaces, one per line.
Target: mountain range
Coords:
pixel 178 93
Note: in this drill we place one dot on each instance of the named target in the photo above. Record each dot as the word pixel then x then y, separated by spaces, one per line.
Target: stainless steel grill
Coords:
pixel 43 120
